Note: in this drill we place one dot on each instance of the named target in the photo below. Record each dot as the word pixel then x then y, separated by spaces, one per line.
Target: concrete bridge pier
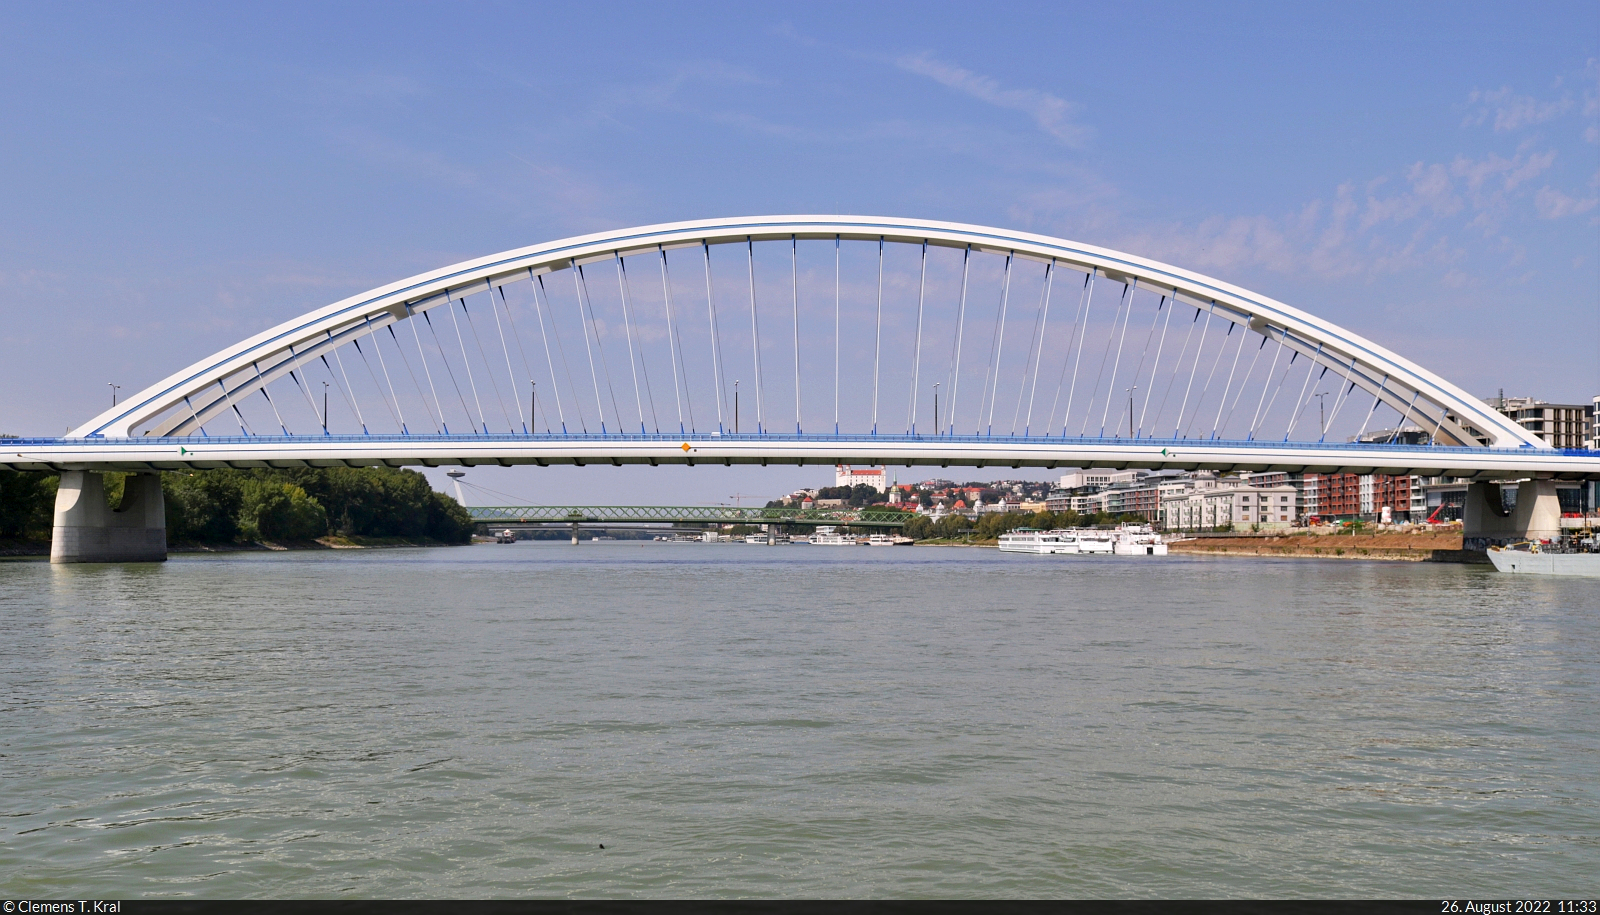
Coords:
pixel 574 533
pixel 88 530
pixel 1486 522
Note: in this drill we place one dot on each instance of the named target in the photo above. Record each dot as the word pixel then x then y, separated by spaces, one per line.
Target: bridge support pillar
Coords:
pixel 574 533
pixel 87 530
pixel 772 535
pixel 1486 522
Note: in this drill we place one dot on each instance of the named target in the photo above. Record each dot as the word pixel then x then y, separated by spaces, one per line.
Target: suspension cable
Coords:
pixel 466 364
pixel 1039 360
pixel 1345 387
pixel 580 284
pixel 999 341
pixel 1377 398
pixel 1116 366
pixel 244 430
pixel 1177 369
pixel 354 404
pixel 877 339
pixel 414 383
pixel 1301 400
pixel 537 282
pixel 399 414
pixel 1271 367
pixel 716 339
pixel 295 358
pixel 1088 303
pixel 961 323
pixel 1222 350
pixel 1304 400
pixel 1261 416
pixel 1066 359
pixel 755 336
pixel 374 376
pixel 1401 425
pixel 1105 357
pixel 627 318
pixel 348 398
pixel 1155 366
pixel 437 345
pixel 1229 386
pixel 916 353
pixel 274 408
pixel 264 393
pixel 674 343
pixel 511 374
pixel 794 292
pixel 1039 324
pixel 484 355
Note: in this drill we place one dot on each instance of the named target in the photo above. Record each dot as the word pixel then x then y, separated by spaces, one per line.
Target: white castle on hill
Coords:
pixel 876 477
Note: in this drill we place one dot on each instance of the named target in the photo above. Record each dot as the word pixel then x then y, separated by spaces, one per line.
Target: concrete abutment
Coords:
pixel 86 529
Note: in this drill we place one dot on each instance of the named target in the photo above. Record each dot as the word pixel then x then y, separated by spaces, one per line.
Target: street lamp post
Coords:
pixel 114 389
pixel 533 406
pixel 736 406
pixel 936 426
pixel 1322 421
pixel 1130 409
pixel 324 408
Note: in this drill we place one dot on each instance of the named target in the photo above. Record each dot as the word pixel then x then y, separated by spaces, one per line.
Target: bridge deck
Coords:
pixel 199 452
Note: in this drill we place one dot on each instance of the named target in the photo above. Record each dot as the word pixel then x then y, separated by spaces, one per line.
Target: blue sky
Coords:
pixel 176 178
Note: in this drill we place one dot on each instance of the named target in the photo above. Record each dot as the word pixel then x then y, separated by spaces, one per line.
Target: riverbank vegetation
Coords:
pixel 957 528
pixel 223 507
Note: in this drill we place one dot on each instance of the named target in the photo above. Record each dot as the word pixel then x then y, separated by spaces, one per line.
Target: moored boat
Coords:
pixel 1138 540
pixel 828 535
pixel 1565 557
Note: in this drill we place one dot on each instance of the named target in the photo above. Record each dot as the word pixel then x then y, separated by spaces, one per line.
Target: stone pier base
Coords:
pixel 1486 522
pixel 87 530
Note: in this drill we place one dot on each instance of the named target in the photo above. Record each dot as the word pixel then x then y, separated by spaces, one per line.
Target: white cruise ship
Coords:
pixel 828 535
pixel 1027 540
pixel 1129 541
pixel 1138 540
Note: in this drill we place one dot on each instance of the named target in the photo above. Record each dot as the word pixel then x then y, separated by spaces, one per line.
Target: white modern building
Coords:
pixel 1099 477
pixel 1232 503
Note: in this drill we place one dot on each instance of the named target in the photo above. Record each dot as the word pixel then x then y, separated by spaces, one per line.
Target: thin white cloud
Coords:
pixel 1509 111
pixel 1053 114
pixel 1552 204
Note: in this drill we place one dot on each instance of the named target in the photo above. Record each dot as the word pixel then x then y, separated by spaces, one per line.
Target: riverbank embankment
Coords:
pixel 1418 546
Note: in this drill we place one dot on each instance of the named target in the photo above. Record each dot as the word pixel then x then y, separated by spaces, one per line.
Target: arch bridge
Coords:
pixel 799 340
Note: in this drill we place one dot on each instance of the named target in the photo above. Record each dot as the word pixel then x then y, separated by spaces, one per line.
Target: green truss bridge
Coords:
pixel 690 514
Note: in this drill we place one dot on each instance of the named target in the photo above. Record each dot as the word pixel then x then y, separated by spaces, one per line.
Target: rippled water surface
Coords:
pixel 738 720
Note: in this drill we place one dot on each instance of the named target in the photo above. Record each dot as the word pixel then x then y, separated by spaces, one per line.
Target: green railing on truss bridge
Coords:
pixel 693 514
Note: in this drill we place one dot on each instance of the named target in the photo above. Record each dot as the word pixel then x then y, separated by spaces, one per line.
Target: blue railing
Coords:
pixel 768 437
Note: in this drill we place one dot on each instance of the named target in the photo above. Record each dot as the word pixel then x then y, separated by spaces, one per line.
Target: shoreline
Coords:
pixel 40 549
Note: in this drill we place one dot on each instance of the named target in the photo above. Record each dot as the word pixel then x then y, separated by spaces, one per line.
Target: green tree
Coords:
pixel 27 501
pixel 273 510
pixel 202 507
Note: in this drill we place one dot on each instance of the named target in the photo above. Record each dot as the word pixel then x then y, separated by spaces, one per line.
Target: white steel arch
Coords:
pixel 179 404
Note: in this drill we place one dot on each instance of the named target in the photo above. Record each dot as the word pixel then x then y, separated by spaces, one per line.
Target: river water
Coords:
pixel 739 720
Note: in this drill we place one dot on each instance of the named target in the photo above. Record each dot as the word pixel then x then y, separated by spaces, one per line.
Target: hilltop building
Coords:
pixel 876 477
